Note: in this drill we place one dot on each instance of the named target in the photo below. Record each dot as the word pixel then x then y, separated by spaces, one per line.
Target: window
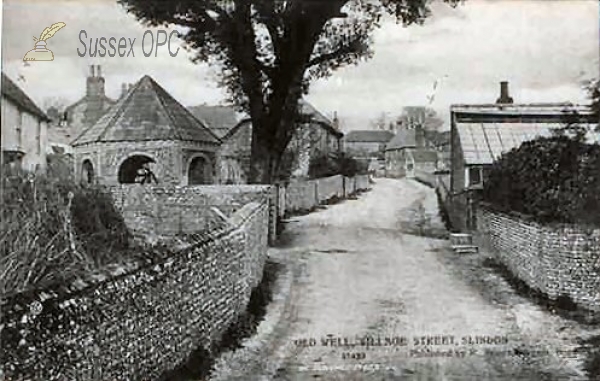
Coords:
pixel 38 137
pixel 474 177
pixel 19 130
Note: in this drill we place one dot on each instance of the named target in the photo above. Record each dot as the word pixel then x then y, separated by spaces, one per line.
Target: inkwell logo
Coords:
pixel 40 52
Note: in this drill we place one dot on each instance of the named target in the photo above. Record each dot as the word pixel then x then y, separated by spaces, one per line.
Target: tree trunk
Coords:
pixel 263 162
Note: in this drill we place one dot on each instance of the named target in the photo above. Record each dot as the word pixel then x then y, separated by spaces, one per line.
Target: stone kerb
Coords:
pixel 561 260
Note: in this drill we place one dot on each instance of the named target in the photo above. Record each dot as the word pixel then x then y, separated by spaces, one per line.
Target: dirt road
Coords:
pixel 372 300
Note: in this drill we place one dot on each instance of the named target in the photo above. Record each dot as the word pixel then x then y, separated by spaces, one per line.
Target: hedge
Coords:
pixel 553 180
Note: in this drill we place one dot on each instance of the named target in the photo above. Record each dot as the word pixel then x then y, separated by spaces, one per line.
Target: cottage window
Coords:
pixel 38 138
pixel 474 177
pixel 20 129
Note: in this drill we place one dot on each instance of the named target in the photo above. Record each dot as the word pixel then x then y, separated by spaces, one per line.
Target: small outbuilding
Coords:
pixel 147 130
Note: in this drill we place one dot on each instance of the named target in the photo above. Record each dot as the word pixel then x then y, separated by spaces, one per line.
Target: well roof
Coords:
pixel 147 112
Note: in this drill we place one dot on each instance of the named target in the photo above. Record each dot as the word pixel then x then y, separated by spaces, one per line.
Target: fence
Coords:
pixel 303 196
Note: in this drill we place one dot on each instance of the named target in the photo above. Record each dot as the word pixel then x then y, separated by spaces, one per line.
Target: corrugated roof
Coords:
pixel 13 92
pixel 369 136
pixel 220 119
pixel 147 112
pixel 405 138
pixel 483 143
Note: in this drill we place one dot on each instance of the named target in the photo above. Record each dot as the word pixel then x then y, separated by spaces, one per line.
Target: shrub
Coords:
pixel 552 179
pixel 325 165
pixel 52 228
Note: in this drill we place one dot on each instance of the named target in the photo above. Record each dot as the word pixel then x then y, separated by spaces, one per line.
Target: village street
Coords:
pixel 358 274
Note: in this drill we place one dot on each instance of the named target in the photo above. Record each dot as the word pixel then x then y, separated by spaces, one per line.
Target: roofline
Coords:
pixel 82 99
pixel 37 110
pixel 233 129
pixel 75 144
pixel 518 107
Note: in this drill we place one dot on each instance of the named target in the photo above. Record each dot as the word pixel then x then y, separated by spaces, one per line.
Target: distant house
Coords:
pixel 87 110
pixel 316 135
pixel 481 133
pixel 367 144
pixel 24 129
pixel 147 128
pixel 408 154
pixel 220 119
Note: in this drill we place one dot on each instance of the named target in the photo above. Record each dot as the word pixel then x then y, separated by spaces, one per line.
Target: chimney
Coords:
pixel 95 83
pixel 336 121
pixel 419 136
pixel 504 95
pixel 123 89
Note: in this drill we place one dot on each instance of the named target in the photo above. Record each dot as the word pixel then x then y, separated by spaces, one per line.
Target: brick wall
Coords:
pixel 136 321
pixel 556 260
pixel 157 210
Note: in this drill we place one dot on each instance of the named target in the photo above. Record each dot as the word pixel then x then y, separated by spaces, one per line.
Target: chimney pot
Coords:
pixel 504 94
pixel 98 71
pixel 91 70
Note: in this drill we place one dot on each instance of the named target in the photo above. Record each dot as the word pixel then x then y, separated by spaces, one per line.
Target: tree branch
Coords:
pixel 353 46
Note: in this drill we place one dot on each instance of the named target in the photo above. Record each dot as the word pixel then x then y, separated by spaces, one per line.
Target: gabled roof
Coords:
pixel 483 143
pixel 308 109
pixel 405 138
pixel 13 92
pixel 369 136
pixel 147 112
pixel 220 119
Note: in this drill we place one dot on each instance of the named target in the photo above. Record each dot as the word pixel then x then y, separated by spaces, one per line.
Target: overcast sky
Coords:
pixel 545 49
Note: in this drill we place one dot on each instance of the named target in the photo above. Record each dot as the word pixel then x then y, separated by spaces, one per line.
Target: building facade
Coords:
pixel 367 144
pixel 24 129
pixel 147 129
pixel 407 154
pixel 480 134
pixel 86 111
pixel 317 135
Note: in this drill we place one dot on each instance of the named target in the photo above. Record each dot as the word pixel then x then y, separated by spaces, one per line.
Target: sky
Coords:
pixel 545 49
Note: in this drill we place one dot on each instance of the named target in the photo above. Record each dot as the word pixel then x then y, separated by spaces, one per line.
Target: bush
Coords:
pixel 52 228
pixel 550 179
pixel 325 165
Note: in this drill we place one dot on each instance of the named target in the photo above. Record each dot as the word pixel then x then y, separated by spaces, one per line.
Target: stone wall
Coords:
pixel 556 260
pixel 139 320
pixel 159 211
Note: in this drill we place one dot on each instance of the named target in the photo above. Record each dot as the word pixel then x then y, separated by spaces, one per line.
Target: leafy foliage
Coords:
pixel 53 228
pixel 554 180
pixel 327 165
pixel 270 51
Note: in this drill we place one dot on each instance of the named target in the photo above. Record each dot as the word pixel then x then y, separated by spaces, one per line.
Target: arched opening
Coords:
pixel 199 171
pixel 137 169
pixel 87 172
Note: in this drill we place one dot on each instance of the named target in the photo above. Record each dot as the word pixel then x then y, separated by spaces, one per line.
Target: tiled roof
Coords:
pixel 147 112
pixel 310 110
pixel 483 143
pixel 220 119
pixel 11 91
pixel 306 109
pixel 369 136
pixel 404 138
